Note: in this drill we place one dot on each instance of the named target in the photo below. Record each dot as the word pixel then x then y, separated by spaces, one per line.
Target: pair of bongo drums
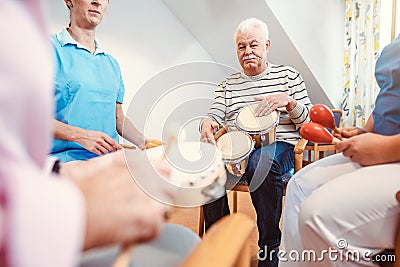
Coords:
pixel 253 132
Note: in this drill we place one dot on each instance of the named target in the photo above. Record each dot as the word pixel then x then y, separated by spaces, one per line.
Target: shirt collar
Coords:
pixel 258 76
pixel 65 38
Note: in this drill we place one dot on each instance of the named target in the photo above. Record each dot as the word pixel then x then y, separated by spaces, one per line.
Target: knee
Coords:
pixel 260 158
pixel 308 215
pixel 311 221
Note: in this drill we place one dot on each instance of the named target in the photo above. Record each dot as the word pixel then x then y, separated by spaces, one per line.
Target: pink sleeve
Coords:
pixel 42 218
pixel 45 221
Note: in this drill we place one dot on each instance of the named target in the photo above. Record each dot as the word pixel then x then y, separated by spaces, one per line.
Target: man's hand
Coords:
pixel 118 211
pixel 97 142
pixel 270 103
pixel 207 131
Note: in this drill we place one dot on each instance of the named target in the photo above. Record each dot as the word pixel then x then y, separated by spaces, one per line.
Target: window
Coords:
pixel 390 21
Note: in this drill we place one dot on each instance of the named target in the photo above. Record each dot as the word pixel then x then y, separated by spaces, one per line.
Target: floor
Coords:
pixel 189 217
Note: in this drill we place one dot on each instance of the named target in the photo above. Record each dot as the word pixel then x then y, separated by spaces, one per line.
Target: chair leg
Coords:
pixel 235 201
pixel 315 152
pixel 201 221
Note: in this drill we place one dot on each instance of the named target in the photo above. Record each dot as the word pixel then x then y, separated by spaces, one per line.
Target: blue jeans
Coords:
pixel 263 173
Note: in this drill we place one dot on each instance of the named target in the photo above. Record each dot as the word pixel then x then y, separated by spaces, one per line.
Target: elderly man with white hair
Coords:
pixel 272 87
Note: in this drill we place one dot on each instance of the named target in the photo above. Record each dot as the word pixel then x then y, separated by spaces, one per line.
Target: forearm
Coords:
pixel 66 132
pixel 300 104
pixel 299 115
pixel 369 126
pixel 127 130
pixel 392 147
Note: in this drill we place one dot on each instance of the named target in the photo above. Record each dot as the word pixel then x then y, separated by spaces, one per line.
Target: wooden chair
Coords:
pixel 222 247
pixel 315 151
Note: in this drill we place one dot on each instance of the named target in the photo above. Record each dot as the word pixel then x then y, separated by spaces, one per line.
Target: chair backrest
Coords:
pixel 337 114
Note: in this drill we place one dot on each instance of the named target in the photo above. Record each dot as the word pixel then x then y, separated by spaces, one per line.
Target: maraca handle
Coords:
pixel 335 141
pixel 337 130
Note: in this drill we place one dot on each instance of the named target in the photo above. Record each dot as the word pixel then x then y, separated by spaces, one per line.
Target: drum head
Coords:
pixel 246 120
pixel 234 145
pixel 197 173
pixel 193 164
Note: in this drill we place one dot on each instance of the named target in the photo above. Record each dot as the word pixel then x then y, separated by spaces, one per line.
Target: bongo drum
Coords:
pixel 236 147
pixel 261 129
pixel 197 171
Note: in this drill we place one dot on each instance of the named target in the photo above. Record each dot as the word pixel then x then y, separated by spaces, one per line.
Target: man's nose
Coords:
pixel 248 50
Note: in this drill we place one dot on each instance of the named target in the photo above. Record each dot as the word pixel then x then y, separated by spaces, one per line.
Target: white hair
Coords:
pixel 251 23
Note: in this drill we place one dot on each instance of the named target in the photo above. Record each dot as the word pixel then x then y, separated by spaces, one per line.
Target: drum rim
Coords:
pixel 240 158
pixel 276 122
pixel 236 160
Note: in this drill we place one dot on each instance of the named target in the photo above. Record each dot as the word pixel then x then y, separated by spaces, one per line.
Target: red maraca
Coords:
pixel 316 133
pixel 323 115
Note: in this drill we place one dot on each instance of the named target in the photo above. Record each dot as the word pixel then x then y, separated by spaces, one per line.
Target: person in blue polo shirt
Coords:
pixel 89 89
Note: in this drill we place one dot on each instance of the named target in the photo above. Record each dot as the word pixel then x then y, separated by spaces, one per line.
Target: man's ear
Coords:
pixel 69 4
pixel 267 45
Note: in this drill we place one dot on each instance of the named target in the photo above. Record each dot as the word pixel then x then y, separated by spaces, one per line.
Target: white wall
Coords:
pixel 145 38
pixel 316 27
pixel 213 22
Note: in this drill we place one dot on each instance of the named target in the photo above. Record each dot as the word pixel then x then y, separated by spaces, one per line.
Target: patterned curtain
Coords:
pixel 360 54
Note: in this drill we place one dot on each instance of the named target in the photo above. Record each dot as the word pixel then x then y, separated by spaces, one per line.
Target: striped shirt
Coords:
pixel 238 90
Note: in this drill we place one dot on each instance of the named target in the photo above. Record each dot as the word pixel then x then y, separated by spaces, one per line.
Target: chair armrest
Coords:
pixel 298 154
pixel 225 244
pixel 300 146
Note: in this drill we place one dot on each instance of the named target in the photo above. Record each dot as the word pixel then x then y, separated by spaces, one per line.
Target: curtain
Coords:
pixel 360 54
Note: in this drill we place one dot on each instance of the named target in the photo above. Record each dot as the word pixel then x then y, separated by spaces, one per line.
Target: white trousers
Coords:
pixel 338 213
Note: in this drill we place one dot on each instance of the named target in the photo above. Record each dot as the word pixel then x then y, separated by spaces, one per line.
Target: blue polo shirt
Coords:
pixel 87 88
pixel 387 107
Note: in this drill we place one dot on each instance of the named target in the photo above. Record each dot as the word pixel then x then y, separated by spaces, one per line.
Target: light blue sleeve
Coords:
pixel 121 91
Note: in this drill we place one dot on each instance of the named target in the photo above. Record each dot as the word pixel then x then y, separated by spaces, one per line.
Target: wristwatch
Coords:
pixel 56 166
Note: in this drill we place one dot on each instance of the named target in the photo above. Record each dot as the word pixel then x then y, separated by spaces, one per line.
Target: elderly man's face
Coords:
pixel 252 51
